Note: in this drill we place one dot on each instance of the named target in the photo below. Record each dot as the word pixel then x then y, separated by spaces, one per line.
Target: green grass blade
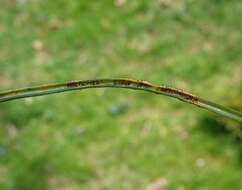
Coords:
pixel 122 83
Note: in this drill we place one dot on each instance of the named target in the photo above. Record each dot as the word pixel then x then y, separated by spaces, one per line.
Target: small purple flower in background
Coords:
pixel 76 130
pixel 114 109
pixel 2 151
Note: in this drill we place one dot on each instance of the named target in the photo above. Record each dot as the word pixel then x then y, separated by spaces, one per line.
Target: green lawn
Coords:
pixel 118 139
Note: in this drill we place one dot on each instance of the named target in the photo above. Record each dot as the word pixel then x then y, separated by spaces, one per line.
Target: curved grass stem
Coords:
pixel 121 83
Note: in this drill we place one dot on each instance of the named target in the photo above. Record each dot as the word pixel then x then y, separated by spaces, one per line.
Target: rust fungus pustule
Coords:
pixel 73 84
pixel 183 95
pixel 122 82
pixel 95 82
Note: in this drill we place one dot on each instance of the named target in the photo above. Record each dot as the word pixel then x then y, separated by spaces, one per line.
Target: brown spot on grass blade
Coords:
pixel 184 95
pixel 122 82
pixel 72 84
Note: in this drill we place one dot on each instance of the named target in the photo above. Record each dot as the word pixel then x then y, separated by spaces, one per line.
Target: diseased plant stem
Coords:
pixel 121 83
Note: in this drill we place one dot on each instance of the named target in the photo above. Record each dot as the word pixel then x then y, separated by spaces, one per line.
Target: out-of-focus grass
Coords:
pixel 114 138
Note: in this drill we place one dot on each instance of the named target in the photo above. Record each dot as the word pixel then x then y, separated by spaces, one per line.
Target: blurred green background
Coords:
pixel 117 138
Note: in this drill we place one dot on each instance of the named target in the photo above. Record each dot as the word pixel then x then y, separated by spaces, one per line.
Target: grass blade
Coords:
pixel 122 83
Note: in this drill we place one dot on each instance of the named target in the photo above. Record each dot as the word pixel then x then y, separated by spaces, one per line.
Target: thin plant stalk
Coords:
pixel 121 83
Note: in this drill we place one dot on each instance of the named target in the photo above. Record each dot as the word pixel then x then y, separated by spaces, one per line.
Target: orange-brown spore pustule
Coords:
pixel 186 96
pixel 75 84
